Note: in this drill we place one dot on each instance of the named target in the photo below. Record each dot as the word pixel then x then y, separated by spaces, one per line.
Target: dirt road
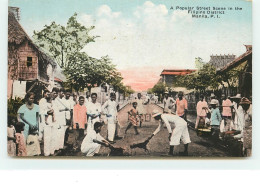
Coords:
pixel 159 144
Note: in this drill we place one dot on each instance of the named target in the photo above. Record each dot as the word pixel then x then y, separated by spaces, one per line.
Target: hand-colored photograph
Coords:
pixel 147 79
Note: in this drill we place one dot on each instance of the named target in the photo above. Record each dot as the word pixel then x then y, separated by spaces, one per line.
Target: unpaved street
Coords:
pixel 159 144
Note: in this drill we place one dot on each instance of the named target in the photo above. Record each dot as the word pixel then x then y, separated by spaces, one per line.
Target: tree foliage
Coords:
pixel 159 88
pixel 64 44
pixel 63 41
pixel 83 71
pixel 202 79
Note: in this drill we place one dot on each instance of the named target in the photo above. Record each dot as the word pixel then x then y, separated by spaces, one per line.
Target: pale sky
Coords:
pixel 144 37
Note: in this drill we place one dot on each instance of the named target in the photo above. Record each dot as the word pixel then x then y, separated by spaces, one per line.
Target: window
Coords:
pixel 29 61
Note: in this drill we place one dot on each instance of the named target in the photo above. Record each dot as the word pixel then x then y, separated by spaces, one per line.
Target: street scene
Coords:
pixel 158 147
pixel 154 80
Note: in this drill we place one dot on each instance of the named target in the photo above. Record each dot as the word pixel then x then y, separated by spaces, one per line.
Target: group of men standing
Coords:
pixel 59 113
pixel 232 116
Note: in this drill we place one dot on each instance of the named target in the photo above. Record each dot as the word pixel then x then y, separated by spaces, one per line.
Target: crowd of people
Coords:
pixel 56 114
pixel 59 112
pixel 231 117
pixel 228 116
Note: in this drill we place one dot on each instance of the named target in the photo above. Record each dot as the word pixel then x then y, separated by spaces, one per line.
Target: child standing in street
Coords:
pixel 11 145
pixel 133 118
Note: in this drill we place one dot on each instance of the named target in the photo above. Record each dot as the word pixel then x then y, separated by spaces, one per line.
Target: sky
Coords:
pixel 144 37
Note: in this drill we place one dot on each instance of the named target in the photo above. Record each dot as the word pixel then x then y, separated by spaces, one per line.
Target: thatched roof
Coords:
pixel 17 35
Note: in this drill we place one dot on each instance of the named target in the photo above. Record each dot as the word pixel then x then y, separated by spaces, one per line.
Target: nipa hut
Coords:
pixel 29 68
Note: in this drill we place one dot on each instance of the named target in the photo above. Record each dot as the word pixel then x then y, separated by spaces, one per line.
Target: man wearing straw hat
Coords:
pixel 213 97
pixel 215 118
pixel 180 131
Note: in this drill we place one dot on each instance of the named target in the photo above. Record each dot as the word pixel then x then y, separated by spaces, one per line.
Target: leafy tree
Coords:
pixel 87 72
pixel 201 79
pixel 63 41
pixel 159 88
pixel 150 91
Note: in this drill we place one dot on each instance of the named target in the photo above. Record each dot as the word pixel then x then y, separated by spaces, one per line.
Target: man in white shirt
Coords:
pixel 168 103
pixel 92 142
pixel 180 131
pixel 93 111
pixel 47 118
pixel 60 116
pixel 110 107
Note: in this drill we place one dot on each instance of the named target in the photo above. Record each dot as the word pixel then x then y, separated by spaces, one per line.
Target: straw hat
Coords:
pixel 166 92
pixel 244 101
pixel 212 95
pixel 238 96
pixel 156 113
pixel 214 102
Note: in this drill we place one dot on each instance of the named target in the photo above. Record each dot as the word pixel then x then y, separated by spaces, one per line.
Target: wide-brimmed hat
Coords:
pixel 238 96
pixel 166 92
pixel 213 102
pixel 156 113
pixel 244 101
pixel 212 95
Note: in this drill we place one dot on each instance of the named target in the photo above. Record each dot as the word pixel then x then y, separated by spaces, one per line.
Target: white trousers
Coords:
pixel 90 149
pixel 111 128
pixel 61 136
pixel 49 139
pixel 180 132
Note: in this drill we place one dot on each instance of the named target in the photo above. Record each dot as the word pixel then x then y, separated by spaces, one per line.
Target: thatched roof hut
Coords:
pixel 26 61
pixel 19 42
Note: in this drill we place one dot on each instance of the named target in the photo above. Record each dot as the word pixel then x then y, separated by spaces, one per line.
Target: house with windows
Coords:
pixel 29 67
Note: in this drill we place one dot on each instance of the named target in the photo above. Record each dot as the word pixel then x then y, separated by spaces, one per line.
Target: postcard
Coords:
pixel 130 79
